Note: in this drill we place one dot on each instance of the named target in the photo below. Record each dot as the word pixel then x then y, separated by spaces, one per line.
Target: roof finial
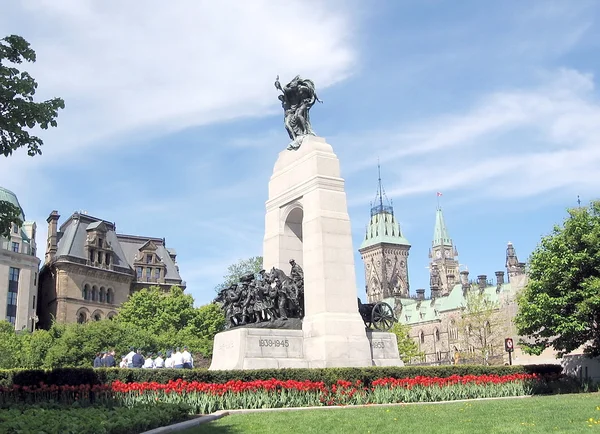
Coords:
pixel 380 187
pixel 438 194
pixel 578 201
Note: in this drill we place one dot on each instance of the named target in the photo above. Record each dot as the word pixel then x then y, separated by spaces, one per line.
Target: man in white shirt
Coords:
pixel 129 357
pixel 148 363
pixel 188 361
pixel 169 359
pixel 159 362
pixel 177 359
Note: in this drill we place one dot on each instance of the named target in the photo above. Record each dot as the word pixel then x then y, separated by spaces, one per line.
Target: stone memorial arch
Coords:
pixel 307 220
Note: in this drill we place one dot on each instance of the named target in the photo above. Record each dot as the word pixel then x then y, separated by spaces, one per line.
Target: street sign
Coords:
pixel 508 345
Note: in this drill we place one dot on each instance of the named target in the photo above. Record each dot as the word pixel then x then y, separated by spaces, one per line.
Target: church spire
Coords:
pixel 384 250
pixel 440 233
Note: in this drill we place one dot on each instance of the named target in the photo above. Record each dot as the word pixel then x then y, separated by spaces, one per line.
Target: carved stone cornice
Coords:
pixel 98 273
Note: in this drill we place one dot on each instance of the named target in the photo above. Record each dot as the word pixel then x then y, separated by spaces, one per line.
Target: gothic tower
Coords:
pixel 443 267
pixel 384 252
pixel 513 266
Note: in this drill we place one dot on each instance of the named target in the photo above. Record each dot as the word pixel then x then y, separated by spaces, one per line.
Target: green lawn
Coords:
pixel 558 413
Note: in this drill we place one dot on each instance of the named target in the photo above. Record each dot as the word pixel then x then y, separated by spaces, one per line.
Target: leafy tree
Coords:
pixel 407 347
pixel 19 114
pixel 483 325
pixel 560 306
pixel 157 311
pixel 240 268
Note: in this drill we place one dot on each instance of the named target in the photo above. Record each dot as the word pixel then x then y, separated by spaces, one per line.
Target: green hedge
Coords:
pixel 76 376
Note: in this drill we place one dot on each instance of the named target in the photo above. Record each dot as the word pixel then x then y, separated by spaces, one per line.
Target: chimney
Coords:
pixel 464 278
pixel 499 278
pixel 450 280
pixel 420 294
pixel 482 281
pixel 52 246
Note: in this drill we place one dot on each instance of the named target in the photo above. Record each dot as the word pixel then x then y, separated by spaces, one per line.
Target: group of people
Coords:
pixel 268 297
pixel 175 359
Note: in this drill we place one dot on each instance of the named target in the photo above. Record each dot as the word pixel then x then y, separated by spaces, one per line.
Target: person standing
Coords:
pixel 169 360
pixel 188 361
pixel 98 361
pixel 178 359
pixel 137 359
pixel 159 362
pixel 148 362
pixel 109 360
pixel 129 357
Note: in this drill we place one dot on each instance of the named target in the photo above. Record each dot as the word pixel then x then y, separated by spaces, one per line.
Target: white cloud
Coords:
pixel 157 68
pixel 514 143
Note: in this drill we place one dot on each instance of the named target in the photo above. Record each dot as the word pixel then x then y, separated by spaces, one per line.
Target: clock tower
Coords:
pixel 384 252
pixel 443 258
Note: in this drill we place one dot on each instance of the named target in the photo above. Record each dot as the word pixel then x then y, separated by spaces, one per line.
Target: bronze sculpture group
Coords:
pixel 264 298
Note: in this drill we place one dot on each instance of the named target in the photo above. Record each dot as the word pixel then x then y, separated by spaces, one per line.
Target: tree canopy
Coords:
pixel 19 113
pixel 235 271
pixel 560 306
pixel 484 326
pixel 407 347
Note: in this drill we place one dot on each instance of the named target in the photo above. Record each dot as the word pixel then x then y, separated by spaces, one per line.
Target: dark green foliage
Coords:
pixel 327 375
pixel 19 113
pixel 89 420
pixel 560 307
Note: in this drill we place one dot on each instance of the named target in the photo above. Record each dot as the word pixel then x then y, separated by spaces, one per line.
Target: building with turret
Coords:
pixel 436 321
pixel 90 270
pixel 384 252
pixel 19 267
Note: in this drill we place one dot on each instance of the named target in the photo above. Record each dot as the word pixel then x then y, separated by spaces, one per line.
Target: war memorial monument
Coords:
pixel 311 318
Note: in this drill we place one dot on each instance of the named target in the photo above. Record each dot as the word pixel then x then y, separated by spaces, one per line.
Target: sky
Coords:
pixel 172 124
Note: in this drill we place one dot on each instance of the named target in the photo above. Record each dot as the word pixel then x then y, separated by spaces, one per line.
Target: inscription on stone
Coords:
pixel 273 343
pixel 378 344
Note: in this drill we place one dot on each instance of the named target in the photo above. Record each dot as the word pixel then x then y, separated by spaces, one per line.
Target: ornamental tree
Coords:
pixel 483 324
pixel 19 113
pixel 235 271
pixel 407 347
pixel 560 306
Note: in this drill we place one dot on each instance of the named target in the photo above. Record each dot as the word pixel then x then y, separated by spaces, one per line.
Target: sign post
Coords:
pixel 509 348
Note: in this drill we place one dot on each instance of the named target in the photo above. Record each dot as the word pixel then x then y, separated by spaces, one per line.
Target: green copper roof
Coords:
pixel 9 196
pixel 383 228
pixel 440 233
pixel 416 311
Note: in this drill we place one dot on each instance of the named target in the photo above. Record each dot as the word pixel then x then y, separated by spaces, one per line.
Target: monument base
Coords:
pixel 259 348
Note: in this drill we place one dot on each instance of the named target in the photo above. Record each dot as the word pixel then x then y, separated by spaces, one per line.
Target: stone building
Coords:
pixel 384 252
pixel 435 322
pixel 19 267
pixel 89 270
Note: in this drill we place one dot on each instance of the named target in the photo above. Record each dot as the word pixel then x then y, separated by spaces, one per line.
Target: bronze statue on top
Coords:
pixel 299 95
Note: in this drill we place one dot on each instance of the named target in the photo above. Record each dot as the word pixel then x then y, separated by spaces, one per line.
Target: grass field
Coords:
pixel 547 414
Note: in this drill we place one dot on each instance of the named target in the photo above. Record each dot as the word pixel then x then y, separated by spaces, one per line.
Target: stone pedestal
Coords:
pixel 307 220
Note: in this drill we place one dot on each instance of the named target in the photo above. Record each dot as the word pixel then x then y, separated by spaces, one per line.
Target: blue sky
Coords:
pixel 172 124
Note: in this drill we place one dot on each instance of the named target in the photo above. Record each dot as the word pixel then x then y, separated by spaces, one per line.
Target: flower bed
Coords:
pixel 202 398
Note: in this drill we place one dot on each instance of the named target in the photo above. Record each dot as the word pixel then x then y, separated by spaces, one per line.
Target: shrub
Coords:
pixel 76 376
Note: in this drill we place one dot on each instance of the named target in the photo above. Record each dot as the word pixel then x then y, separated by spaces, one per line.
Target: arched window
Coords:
pixel 97 317
pixel 102 294
pixel 111 315
pixel 437 335
pixel 110 296
pixel 422 337
pixel 86 292
pixel 94 293
pixel 81 318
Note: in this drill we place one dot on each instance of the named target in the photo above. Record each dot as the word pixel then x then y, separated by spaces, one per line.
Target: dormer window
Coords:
pixel 15 229
pixel 140 271
pixel 148 259
pixel 100 242
pixel 107 259
pixel 92 256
